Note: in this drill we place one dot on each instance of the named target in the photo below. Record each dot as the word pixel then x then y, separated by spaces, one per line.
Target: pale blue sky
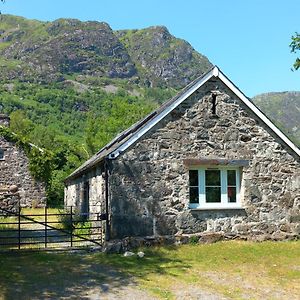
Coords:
pixel 247 39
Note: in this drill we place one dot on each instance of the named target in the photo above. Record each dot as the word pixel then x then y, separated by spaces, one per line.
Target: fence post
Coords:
pixel 46 232
pixel 71 218
pixel 19 227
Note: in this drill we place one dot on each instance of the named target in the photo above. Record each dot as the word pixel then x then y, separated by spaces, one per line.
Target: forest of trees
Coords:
pixel 72 125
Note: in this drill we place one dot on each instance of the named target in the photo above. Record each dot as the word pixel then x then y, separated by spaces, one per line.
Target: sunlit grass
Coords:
pixel 38 214
pixel 237 270
pixel 234 269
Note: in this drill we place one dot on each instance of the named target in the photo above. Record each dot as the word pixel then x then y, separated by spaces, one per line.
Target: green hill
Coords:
pixel 64 72
pixel 283 108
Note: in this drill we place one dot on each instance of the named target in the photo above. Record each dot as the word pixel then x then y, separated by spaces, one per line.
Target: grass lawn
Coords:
pixel 33 213
pixel 230 270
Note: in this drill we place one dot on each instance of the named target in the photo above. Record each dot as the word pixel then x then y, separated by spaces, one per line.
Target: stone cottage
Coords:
pixel 17 186
pixel 208 160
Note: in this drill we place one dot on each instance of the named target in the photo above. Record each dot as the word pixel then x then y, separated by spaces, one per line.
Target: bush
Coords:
pixel 77 223
pixel 194 240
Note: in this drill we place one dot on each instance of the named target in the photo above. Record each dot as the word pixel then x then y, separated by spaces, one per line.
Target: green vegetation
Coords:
pixel 69 125
pixel 233 269
pixel 284 110
pixel 236 270
pixel 39 160
pixel 295 47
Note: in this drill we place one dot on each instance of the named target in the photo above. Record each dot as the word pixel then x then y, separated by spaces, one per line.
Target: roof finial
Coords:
pixel 216 71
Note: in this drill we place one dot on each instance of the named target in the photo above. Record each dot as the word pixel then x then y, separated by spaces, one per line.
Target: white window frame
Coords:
pixel 224 204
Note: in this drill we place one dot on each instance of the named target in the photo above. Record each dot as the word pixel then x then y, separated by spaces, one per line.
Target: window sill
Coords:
pixel 216 208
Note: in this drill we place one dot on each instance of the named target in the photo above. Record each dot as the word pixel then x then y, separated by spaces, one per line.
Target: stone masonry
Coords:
pixel 15 178
pixel 74 193
pixel 149 183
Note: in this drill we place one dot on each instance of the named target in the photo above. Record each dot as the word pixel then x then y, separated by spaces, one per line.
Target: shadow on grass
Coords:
pixel 41 275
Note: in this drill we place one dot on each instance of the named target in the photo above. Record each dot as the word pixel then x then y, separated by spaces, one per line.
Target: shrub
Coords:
pixel 194 240
pixel 77 223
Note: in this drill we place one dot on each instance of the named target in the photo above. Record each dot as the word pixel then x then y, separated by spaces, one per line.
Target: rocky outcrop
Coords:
pixel 170 62
pixel 49 52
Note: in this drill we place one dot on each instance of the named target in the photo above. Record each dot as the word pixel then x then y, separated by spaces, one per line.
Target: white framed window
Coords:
pixel 214 187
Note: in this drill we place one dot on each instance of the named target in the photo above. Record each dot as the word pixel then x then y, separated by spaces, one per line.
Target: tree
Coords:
pixel 20 124
pixel 295 46
pixel 91 131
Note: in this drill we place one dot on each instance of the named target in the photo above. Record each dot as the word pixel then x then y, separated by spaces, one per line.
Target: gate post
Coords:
pixel 19 227
pixel 46 233
pixel 71 231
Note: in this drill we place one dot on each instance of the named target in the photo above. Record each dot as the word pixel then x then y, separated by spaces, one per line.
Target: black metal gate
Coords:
pixel 43 228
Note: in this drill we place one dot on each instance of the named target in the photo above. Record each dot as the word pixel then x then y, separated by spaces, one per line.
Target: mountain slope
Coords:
pixel 171 60
pixel 283 108
pixel 51 51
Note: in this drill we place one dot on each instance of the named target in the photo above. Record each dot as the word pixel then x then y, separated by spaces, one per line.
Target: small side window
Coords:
pixel 1 154
pixel 194 194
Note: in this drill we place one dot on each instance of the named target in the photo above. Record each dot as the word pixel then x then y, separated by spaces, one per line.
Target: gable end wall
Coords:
pixel 149 182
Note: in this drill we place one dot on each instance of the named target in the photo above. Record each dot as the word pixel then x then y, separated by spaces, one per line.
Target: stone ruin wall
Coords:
pixel 149 183
pixel 15 178
pixel 9 200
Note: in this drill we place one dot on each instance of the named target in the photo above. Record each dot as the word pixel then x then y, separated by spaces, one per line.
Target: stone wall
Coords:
pixel 74 190
pixel 9 200
pixel 149 183
pixel 14 173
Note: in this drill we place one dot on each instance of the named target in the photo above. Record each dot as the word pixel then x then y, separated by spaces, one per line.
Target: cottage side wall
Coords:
pixel 15 176
pixel 149 182
pixel 74 191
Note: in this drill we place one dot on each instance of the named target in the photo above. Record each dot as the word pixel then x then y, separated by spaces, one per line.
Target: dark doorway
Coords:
pixel 85 207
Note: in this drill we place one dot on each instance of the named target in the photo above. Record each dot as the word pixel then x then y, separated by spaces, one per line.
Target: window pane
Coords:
pixel 194 195
pixel 1 154
pixel 213 194
pixel 231 178
pixel 231 192
pixel 212 178
pixel 193 174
